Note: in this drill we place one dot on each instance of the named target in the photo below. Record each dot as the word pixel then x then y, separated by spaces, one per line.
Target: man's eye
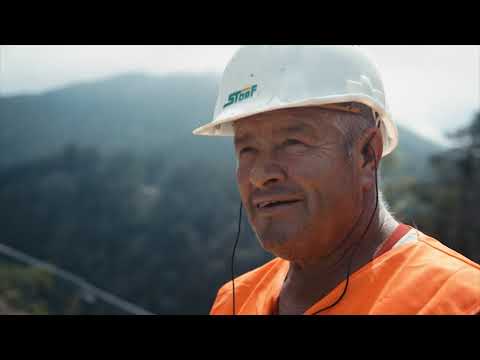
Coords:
pixel 293 142
pixel 246 150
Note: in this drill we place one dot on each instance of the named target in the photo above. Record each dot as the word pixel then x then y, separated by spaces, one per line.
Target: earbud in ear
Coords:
pixel 368 153
pixel 365 150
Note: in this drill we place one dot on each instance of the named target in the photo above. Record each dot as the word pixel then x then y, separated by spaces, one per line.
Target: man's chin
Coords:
pixel 281 250
pixel 278 244
pixel 287 240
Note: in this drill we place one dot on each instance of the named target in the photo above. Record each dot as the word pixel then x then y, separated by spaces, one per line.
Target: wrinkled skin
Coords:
pixel 300 154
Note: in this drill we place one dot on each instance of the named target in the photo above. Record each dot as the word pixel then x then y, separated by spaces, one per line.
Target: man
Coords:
pixel 310 126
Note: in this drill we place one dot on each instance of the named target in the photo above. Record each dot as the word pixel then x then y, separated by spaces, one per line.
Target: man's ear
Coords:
pixel 370 148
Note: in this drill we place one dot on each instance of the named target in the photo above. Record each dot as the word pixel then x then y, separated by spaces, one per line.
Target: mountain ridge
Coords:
pixel 130 111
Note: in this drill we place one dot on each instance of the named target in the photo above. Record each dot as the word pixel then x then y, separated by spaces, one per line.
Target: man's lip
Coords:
pixel 278 210
pixel 261 200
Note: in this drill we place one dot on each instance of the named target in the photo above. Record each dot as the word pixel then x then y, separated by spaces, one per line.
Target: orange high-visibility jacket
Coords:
pixel 418 275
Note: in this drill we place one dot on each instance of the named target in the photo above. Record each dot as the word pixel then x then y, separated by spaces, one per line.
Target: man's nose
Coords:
pixel 265 173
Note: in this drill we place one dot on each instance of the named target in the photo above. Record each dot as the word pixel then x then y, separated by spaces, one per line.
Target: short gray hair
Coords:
pixel 352 125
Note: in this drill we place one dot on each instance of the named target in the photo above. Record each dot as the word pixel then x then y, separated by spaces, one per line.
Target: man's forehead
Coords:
pixel 282 121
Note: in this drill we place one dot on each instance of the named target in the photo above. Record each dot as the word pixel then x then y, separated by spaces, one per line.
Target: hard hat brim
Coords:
pixel 223 125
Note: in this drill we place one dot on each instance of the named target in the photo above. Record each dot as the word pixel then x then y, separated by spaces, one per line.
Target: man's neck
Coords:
pixel 306 284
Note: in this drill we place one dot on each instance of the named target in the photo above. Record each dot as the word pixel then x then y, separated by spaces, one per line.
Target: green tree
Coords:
pixel 451 204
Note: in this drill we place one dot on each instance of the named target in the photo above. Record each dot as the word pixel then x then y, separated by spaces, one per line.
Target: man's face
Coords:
pixel 296 181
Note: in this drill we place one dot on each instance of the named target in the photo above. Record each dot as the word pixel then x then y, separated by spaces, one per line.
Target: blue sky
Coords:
pixel 430 89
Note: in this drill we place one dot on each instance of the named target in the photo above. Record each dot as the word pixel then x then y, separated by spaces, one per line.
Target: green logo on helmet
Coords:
pixel 240 95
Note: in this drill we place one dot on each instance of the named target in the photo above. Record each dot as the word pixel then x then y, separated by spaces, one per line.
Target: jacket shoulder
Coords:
pixel 446 254
pixel 454 280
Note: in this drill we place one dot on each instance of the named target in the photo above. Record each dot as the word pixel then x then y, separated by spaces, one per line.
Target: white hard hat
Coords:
pixel 265 78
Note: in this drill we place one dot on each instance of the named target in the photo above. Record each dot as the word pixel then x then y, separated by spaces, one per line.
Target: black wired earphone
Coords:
pixel 354 245
pixel 233 255
pixel 358 242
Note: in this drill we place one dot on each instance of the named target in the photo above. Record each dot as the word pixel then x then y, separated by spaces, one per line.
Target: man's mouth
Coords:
pixel 277 207
pixel 275 203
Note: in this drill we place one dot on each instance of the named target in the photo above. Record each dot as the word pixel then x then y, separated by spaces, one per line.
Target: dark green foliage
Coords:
pixel 159 239
pixel 450 204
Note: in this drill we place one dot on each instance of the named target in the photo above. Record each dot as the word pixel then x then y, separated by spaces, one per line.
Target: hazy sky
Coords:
pixel 431 89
